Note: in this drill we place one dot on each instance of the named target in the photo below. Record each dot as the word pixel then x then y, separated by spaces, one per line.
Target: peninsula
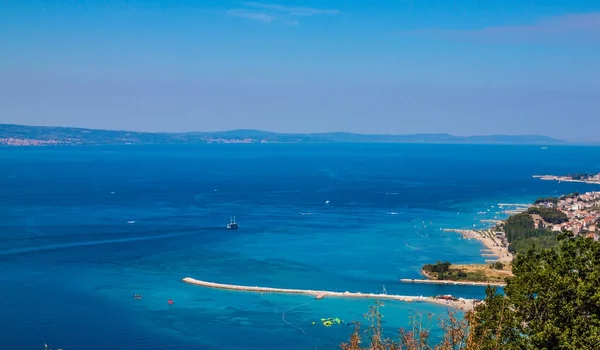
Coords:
pixel 585 178
pixel 23 135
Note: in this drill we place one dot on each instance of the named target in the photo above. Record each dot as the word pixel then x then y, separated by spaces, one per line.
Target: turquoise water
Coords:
pixel 334 217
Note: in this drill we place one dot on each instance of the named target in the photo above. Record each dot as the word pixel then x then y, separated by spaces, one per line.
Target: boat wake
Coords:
pixel 50 247
pixel 415 248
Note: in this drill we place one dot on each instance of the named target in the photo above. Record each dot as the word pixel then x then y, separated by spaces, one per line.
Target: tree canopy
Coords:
pixel 553 200
pixel 522 234
pixel 552 302
pixel 551 215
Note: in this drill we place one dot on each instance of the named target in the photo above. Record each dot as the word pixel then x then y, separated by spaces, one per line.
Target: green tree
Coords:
pixel 552 302
pixel 497 265
pixel 551 215
pixel 519 226
pixel 552 200
pixel 522 234
pixel 441 268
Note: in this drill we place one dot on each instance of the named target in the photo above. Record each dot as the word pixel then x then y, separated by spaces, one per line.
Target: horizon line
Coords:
pixel 286 132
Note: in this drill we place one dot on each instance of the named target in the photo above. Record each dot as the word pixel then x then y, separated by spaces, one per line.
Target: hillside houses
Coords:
pixel 582 210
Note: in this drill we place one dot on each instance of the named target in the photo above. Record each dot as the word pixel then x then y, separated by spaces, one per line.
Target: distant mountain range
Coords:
pixel 24 135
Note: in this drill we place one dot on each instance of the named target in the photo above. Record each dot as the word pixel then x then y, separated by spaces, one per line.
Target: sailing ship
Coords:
pixel 232 225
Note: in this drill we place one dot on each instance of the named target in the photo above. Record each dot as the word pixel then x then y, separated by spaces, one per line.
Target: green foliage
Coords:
pixel 522 234
pixel 519 226
pixel 572 195
pixel 416 337
pixel 552 302
pixel 551 215
pixel 497 265
pixel 439 267
pixel 552 200
pixel 522 246
pixel 444 271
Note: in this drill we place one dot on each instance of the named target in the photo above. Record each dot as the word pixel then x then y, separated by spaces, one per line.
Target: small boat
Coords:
pixel 232 225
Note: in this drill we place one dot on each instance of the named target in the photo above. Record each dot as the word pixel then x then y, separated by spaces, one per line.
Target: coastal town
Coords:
pixel 585 178
pixel 582 211
pixel 581 217
pixel 12 141
pixel 547 217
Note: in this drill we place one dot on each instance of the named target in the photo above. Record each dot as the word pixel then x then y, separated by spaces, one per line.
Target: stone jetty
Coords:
pixel 463 304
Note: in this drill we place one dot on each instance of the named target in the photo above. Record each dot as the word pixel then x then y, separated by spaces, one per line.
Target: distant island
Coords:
pixel 23 135
pixel 585 178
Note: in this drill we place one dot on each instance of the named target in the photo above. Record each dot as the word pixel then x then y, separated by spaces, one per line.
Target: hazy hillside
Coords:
pixel 11 134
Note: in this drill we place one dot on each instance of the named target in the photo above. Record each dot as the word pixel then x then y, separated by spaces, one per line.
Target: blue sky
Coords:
pixel 466 67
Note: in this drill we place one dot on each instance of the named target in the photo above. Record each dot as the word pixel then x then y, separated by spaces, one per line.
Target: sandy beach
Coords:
pixel 462 304
pixel 492 244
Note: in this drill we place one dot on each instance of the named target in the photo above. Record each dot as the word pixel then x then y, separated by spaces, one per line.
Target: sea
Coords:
pixel 83 229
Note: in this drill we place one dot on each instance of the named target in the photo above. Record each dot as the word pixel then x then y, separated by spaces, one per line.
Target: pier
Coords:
pixel 463 304
pixel 513 212
pixel 492 221
pixel 457 230
pixel 449 282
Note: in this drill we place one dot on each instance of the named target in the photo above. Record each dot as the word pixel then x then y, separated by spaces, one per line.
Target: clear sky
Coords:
pixel 466 67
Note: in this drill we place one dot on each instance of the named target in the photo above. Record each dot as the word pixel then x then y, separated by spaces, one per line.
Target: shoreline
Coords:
pixel 564 179
pixel 461 304
pixel 447 282
pixel 491 245
pixel 431 280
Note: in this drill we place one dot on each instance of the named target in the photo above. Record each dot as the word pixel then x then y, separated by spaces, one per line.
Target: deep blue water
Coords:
pixel 70 262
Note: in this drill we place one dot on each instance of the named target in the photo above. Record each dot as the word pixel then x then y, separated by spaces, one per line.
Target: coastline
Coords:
pixel 431 280
pixel 493 247
pixel 451 282
pixel 565 179
pixel 491 244
pixel 461 304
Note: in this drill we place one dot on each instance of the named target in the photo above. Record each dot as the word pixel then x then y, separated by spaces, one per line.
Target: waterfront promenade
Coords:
pixel 462 304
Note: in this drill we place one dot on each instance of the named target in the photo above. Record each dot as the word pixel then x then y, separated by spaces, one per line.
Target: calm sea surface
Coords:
pixel 84 229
